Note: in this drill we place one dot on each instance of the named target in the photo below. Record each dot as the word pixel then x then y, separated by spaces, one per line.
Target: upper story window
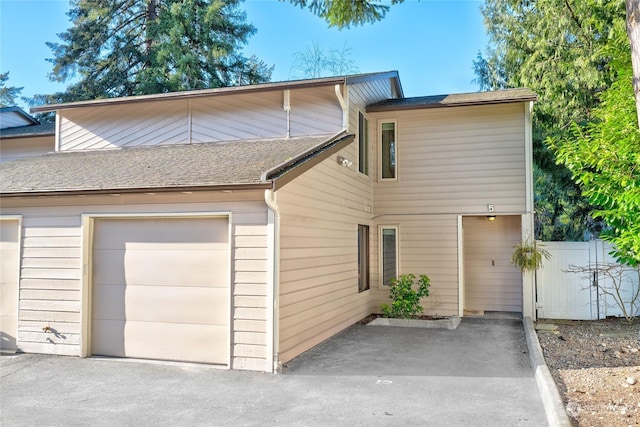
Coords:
pixel 363 144
pixel 388 155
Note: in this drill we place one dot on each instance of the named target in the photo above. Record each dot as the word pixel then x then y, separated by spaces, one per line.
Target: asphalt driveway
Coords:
pixel 476 375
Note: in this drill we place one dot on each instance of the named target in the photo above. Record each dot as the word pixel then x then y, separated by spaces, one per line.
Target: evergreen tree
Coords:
pixel 8 94
pixel 137 47
pixel 556 48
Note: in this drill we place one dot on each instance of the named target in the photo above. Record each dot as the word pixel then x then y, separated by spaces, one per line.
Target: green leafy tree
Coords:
pixel 556 48
pixel 8 94
pixel 604 157
pixel 133 47
pixel 319 62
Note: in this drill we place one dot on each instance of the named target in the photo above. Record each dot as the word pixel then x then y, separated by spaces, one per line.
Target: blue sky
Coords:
pixel 430 43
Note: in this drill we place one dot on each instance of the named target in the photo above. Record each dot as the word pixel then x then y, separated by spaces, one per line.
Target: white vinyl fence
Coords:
pixel 562 294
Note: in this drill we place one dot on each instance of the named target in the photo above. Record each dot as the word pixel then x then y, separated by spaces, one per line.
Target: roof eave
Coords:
pixel 299 84
pixel 390 107
pixel 307 157
pixel 140 190
pixel 263 87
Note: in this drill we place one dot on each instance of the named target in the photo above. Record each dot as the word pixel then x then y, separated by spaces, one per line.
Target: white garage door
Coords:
pixel 9 272
pixel 161 289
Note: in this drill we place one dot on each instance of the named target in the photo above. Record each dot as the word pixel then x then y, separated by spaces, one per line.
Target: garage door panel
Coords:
pixel 108 302
pixel 161 289
pixel 108 337
pixel 177 305
pixel 168 266
pixel 113 233
pixel 175 341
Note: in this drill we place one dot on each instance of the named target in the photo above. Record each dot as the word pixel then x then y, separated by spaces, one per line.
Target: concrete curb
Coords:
pixel 551 400
pixel 449 323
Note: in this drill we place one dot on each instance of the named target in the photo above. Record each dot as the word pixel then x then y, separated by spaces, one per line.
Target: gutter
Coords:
pixel 134 190
pixel 277 171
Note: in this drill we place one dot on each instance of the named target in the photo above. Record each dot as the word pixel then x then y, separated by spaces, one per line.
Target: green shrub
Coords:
pixel 405 299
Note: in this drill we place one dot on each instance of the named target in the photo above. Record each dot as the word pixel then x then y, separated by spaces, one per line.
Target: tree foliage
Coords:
pixel 319 62
pixel 556 48
pixel 604 158
pixel 132 47
pixel 8 94
pixel 344 13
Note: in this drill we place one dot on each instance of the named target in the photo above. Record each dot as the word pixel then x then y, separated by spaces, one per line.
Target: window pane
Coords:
pixel 363 258
pixel 363 144
pixel 388 150
pixel 389 256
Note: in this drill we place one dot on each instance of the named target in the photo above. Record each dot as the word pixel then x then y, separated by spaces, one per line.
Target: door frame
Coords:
pixel 18 267
pixel 88 225
pixel 528 284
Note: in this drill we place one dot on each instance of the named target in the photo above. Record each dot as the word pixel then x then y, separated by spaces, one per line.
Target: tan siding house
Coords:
pixel 242 226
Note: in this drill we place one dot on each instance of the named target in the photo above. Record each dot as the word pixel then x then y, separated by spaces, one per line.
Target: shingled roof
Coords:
pixel 40 129
pixel 215 165
pixel 455 100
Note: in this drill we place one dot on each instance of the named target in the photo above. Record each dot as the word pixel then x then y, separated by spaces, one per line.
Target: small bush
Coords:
pixel 405 299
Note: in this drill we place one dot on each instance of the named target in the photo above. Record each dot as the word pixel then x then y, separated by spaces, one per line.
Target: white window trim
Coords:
pixel 379 151
pixel 381 253
pixel 368 142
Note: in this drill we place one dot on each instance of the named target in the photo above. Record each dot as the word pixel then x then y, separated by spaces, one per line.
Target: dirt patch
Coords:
pixel 596 365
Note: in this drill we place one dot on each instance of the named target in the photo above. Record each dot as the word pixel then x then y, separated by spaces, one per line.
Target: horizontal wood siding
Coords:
pixel 455 160
pixel 318 293
pixel 428 244
pixel 17 148
pixel 51 274
pixel 450 162
pixel 12 119
pixel 314 111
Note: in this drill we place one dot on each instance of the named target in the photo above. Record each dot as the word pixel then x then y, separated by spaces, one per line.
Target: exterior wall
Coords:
pixel 363 94
pixel 51 277
pixel 450 162
pixel 319 216
pixel 12 119
pixel 17 148
pixel 314 111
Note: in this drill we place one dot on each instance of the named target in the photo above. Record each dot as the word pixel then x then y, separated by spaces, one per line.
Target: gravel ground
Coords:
pixel 596 365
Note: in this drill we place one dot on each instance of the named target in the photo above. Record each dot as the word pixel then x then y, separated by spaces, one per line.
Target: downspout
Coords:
pixel 343 105
pixel 273 280
pixel 287 108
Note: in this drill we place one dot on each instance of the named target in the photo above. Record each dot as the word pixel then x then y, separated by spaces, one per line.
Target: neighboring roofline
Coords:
pixel 28 135
pixel 21 112
pixel 292 84
pixel 441 101
pixel 290 169
pixel 134 190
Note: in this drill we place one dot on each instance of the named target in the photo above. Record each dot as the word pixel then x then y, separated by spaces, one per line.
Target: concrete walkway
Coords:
pixel 476 375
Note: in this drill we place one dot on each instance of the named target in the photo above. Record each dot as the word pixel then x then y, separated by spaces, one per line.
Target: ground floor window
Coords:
pixel 363 258
pixel 389 254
